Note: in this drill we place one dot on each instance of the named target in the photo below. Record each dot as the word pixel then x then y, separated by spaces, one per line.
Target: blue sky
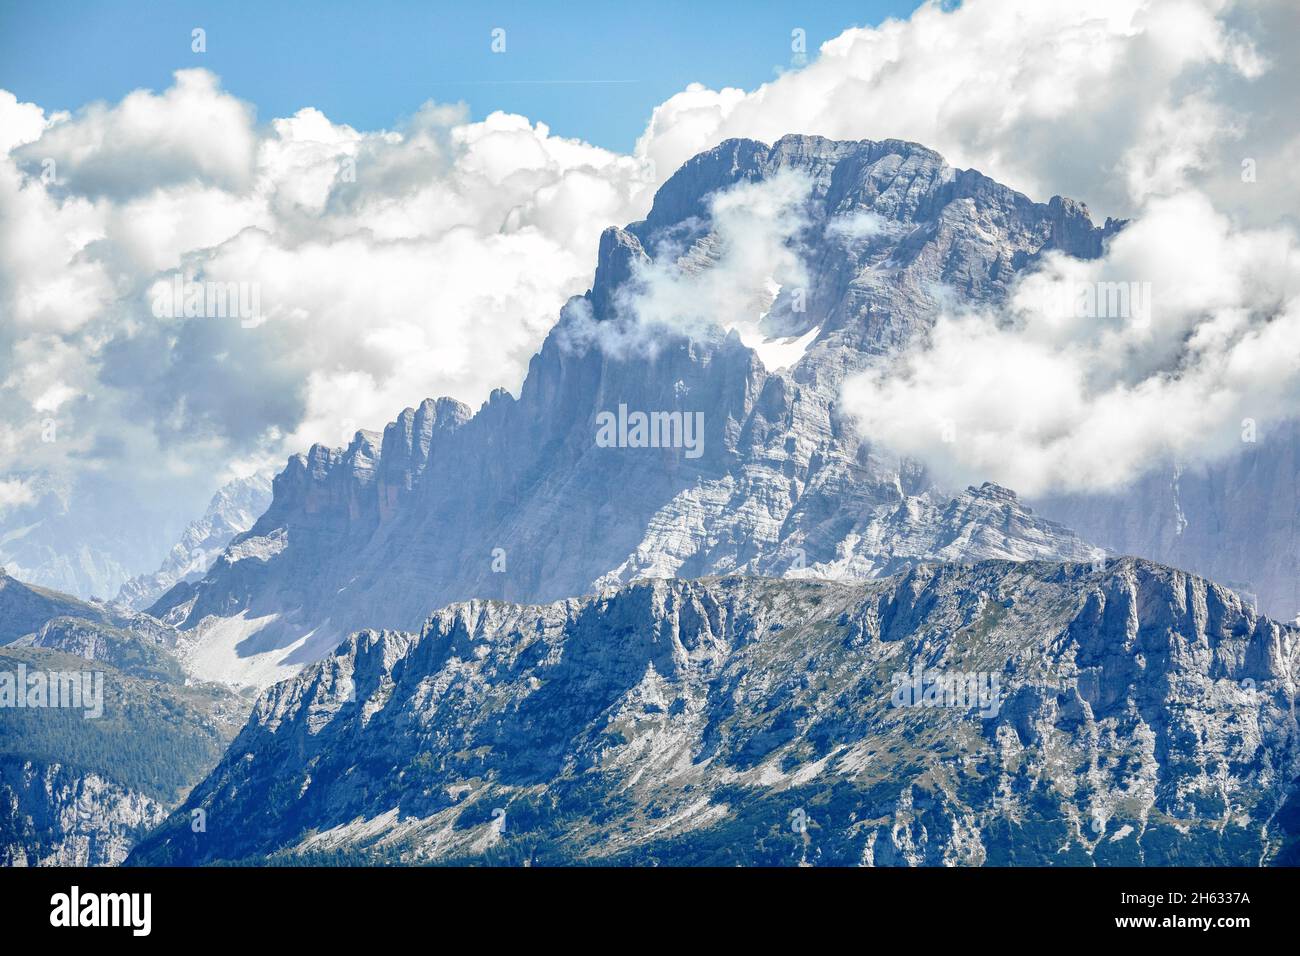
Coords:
pixel 370 64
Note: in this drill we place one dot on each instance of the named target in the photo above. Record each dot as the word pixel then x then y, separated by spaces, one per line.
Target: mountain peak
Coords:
pixel 520 501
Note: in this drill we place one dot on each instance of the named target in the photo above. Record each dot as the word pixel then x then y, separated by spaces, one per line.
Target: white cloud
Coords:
pixel 1104 100
pixel 1072 389
pixel 713 283
pixel 859 224
pixel 192 132
pixel 390 266
pixel 13 493
pixel 729 277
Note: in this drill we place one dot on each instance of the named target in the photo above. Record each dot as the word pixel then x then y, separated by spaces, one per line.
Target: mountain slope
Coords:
pixel 1140 715
pixel 36 616
pixel 24 608
pixel 78 791
pixel 520 501
pixel 137 652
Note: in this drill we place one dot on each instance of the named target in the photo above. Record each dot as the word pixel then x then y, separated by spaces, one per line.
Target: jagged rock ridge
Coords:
pixel 1142 716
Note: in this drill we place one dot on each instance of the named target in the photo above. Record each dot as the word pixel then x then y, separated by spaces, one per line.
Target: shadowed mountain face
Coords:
pixel 521 501
pixel 1236 520
pixel 998 713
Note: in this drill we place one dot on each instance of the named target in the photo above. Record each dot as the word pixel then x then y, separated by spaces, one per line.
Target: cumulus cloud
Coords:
pixel 14 492
pixel 1182 341
pixel 387 266
pixel 1111 100
pixel 189 133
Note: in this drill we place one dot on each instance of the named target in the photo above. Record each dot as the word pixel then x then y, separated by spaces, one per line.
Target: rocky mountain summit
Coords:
pixel 520 501
pixel 997 713
pixel 233 510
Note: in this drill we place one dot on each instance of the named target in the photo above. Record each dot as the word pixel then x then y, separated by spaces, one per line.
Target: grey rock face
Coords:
pixel 518 501
pixel 233 510
pixel 1134 715
pixel 52 815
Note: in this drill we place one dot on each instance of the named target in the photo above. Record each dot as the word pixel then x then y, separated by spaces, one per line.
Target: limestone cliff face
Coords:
pixel 518 501
pixel 51 815
pixel 1135 714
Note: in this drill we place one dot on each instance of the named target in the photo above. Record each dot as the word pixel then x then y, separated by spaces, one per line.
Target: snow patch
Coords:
pixel 214 653
pixel 778 353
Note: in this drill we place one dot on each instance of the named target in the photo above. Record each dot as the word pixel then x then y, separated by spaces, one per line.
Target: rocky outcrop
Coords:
pixel 25 608
pixel 142 651
pixel 1000 713
pixel 55 816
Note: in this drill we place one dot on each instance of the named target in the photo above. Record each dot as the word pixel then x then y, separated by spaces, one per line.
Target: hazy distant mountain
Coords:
pixel 1236 521
pixel 234 509
pixel 76 537
pixel 1136 715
